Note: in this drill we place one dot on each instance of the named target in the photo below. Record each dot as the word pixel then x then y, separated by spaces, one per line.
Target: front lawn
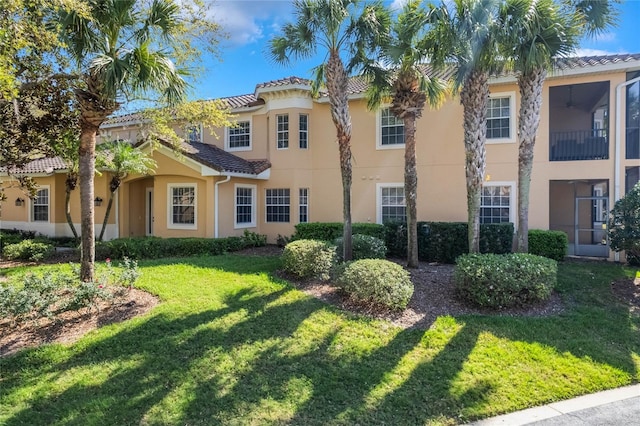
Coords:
pixel 231 344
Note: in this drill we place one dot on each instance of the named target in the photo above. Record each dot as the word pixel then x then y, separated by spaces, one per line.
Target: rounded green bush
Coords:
pixel 500 281
pixel 363 247
pixel 28 250
pixel 309 259
pixel 377 281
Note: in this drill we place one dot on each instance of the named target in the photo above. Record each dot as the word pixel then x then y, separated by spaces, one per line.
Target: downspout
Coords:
pixel 617 160
pixel 215 207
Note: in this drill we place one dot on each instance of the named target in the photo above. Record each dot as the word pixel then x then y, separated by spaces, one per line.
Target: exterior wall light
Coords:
pixel 19 202
pixel 98 201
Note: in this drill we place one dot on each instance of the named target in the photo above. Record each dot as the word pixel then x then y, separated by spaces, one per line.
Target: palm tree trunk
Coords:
pixel 475 98
pixel 87 163
pixel 70 185
pixel 529 118
pixel 411 189
pixel 336 78
pixel 106 215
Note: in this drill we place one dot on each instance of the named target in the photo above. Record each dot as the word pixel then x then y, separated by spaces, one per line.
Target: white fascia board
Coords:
pixel 283 88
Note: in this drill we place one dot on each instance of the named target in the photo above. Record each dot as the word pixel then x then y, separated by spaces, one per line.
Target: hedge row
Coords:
pixel 444 241
pixel 154 247
pixel 329 231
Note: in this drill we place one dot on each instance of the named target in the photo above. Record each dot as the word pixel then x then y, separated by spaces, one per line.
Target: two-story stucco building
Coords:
pixel 280 165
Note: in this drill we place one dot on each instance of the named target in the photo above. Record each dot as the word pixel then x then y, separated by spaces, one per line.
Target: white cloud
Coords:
pixel 398 4
pixel 247 21
pixel 593 52
pixel 605 37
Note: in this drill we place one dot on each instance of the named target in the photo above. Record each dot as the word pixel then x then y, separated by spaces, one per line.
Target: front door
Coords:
pixel 149 212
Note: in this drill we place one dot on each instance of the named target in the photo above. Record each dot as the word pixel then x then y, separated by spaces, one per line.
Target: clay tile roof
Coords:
pixel 41 165
pixel 221 160
pixel 284 82
pixel 590 61
pixel 240 101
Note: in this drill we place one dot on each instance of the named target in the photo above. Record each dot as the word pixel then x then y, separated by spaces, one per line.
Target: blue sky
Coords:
pixel 250 24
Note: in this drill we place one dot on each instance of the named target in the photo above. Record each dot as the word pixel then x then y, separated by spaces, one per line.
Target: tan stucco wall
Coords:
pixel 440 161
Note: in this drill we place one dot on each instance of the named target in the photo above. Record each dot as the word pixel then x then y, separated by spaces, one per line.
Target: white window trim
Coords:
pixel 244 148
pixel 379 187
pixel 48 188
pixel 266 209
pixel 379 145
pixel 170 224
pixel 307 205
pixel 305 131
pixel 512 118
pixel 254 190
pixel 288 131
pixel 188 138
pixel 512 197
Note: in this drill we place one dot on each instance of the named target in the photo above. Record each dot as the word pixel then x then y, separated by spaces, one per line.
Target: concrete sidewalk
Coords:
pixel 613 407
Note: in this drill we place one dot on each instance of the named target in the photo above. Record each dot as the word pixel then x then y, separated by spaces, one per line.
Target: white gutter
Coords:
pixel 619 135
pixel 215 207
pixel 617 160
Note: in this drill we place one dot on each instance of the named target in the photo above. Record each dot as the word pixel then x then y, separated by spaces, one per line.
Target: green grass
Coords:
pixel 230 344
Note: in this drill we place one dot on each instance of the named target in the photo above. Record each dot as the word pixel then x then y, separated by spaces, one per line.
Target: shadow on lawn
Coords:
pixel 177 355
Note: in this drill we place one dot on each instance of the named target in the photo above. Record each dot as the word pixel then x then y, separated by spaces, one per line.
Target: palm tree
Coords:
pixel 120 158
pixel 399 74
pixel 112 43
pixel 337 27
pixel 466 40
pixel 67 149
pixel 534 33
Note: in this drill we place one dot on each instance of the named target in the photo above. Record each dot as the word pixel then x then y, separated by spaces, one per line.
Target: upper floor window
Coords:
pixel 40 206
pixel 496 203
pixel 282 133
pixel 304 131
pixel 278 203
pixel 501 118
pixel 239 136
pixel 194 133
pixel 182 206
pixel 391 203
pixel 391 130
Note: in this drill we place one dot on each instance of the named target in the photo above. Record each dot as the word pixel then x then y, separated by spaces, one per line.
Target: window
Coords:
pixel 391 203
pixel 239 137
pixel 391 130
pixel 495 203
pixel 278 203
pixel 304 131
pixel 40 206
pixel 282 133
pixel 245 206
pixel 303 205
pixel 194 133
pixel 501 118
pixel 182 212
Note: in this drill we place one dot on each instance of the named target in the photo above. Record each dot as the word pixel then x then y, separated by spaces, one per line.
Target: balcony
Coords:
pixel 579 145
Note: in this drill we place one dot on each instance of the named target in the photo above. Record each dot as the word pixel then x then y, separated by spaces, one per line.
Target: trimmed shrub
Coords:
pixel 624 226
pixel 500 281
pixel 329 231
pixel 364 247
pixel 154 247
pixel 309 259
pixel 551 244
pixel 28 250
pixel 444 241
pixel 377 281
